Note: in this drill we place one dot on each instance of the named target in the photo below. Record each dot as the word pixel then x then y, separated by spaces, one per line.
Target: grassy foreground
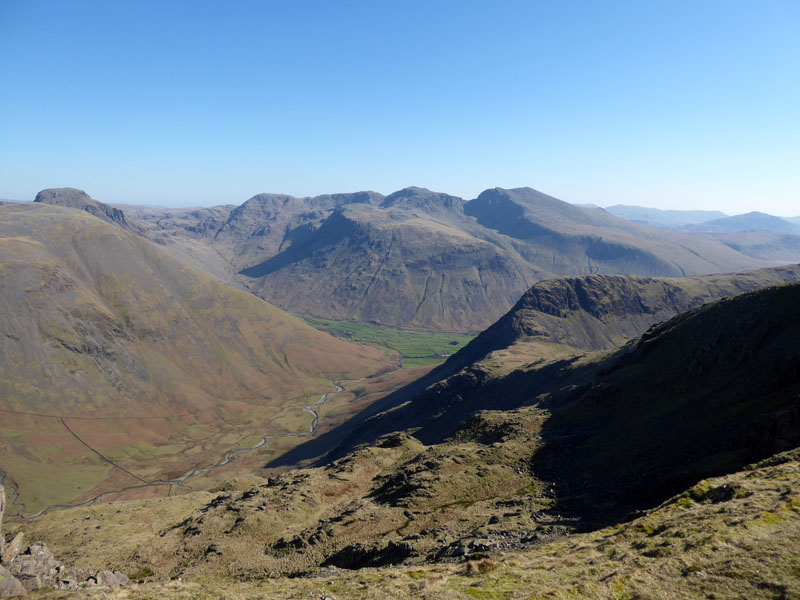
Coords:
pixel 727 537
pixel 414 347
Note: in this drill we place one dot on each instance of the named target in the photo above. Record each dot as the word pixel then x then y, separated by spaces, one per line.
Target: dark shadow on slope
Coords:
pixel 702 395
pixel 332 440
pixel 435 406
pixel 304 244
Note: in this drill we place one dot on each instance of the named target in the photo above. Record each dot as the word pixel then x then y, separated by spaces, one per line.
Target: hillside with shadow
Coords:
pixel 547 341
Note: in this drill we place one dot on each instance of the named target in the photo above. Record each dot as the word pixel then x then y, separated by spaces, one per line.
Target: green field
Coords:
pixel 414 347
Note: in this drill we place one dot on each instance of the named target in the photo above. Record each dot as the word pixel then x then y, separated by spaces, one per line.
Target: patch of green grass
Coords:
pixel 415 347
pixel 489 589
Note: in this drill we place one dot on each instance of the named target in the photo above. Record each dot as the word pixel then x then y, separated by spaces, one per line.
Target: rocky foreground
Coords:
pixel 30 567
pixel 727 537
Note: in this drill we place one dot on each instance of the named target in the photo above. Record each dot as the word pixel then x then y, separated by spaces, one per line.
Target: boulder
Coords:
pixel 12 549
pixel 35 568
pixel 9 585
pixel 109 579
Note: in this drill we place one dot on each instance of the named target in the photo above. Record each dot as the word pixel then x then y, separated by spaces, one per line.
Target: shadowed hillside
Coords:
pixel 703 394
pixel 532 346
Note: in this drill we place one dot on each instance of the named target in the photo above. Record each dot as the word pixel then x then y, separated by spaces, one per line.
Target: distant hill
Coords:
pixel 667 219
pixel 108 338
pixel 752 221
pixel 424 259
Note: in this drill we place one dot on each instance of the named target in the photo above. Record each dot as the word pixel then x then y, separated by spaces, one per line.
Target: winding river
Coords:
pixel 229 457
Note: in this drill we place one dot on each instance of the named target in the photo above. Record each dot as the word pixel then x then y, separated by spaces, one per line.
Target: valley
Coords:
pixel 145 381
pixel 531 492
pixel 108 345
pixel 399 300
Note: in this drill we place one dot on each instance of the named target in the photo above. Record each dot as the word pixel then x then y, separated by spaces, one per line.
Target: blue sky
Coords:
pixel 673 104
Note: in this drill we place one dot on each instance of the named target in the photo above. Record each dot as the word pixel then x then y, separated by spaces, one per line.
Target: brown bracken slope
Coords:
pixel 152 364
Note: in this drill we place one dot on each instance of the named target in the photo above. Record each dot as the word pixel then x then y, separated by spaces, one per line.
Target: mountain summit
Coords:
pixel 72 198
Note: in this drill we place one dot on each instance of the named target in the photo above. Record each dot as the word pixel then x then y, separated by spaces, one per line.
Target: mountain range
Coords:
pixel 666 219
pixel 423 259
pixel 705 220
pixel 607 435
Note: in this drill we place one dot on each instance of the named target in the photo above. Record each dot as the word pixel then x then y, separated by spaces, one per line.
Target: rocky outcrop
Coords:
pixel 36 568
pixel 12 549
pixel 79 199
pixel 600 312
pixel 26 569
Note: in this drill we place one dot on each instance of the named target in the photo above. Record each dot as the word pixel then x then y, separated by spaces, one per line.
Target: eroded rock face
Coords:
pixel 35 568
pixel 9 585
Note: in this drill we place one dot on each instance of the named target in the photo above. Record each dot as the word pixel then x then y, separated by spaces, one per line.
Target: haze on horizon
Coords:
pixel 684 106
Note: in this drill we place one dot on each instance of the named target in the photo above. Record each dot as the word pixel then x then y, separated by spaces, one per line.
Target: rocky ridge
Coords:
pixel 72 198
pixel 551 327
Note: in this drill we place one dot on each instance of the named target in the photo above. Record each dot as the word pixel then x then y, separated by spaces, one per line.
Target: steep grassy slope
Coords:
pixel 111 346
pixel 706 393
pixel 418 258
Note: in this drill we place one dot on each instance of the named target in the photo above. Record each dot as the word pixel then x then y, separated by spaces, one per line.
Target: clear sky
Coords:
pixel 669 104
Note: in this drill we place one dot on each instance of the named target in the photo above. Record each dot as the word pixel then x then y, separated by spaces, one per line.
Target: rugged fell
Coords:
pixel 79 199
pixel 418 258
